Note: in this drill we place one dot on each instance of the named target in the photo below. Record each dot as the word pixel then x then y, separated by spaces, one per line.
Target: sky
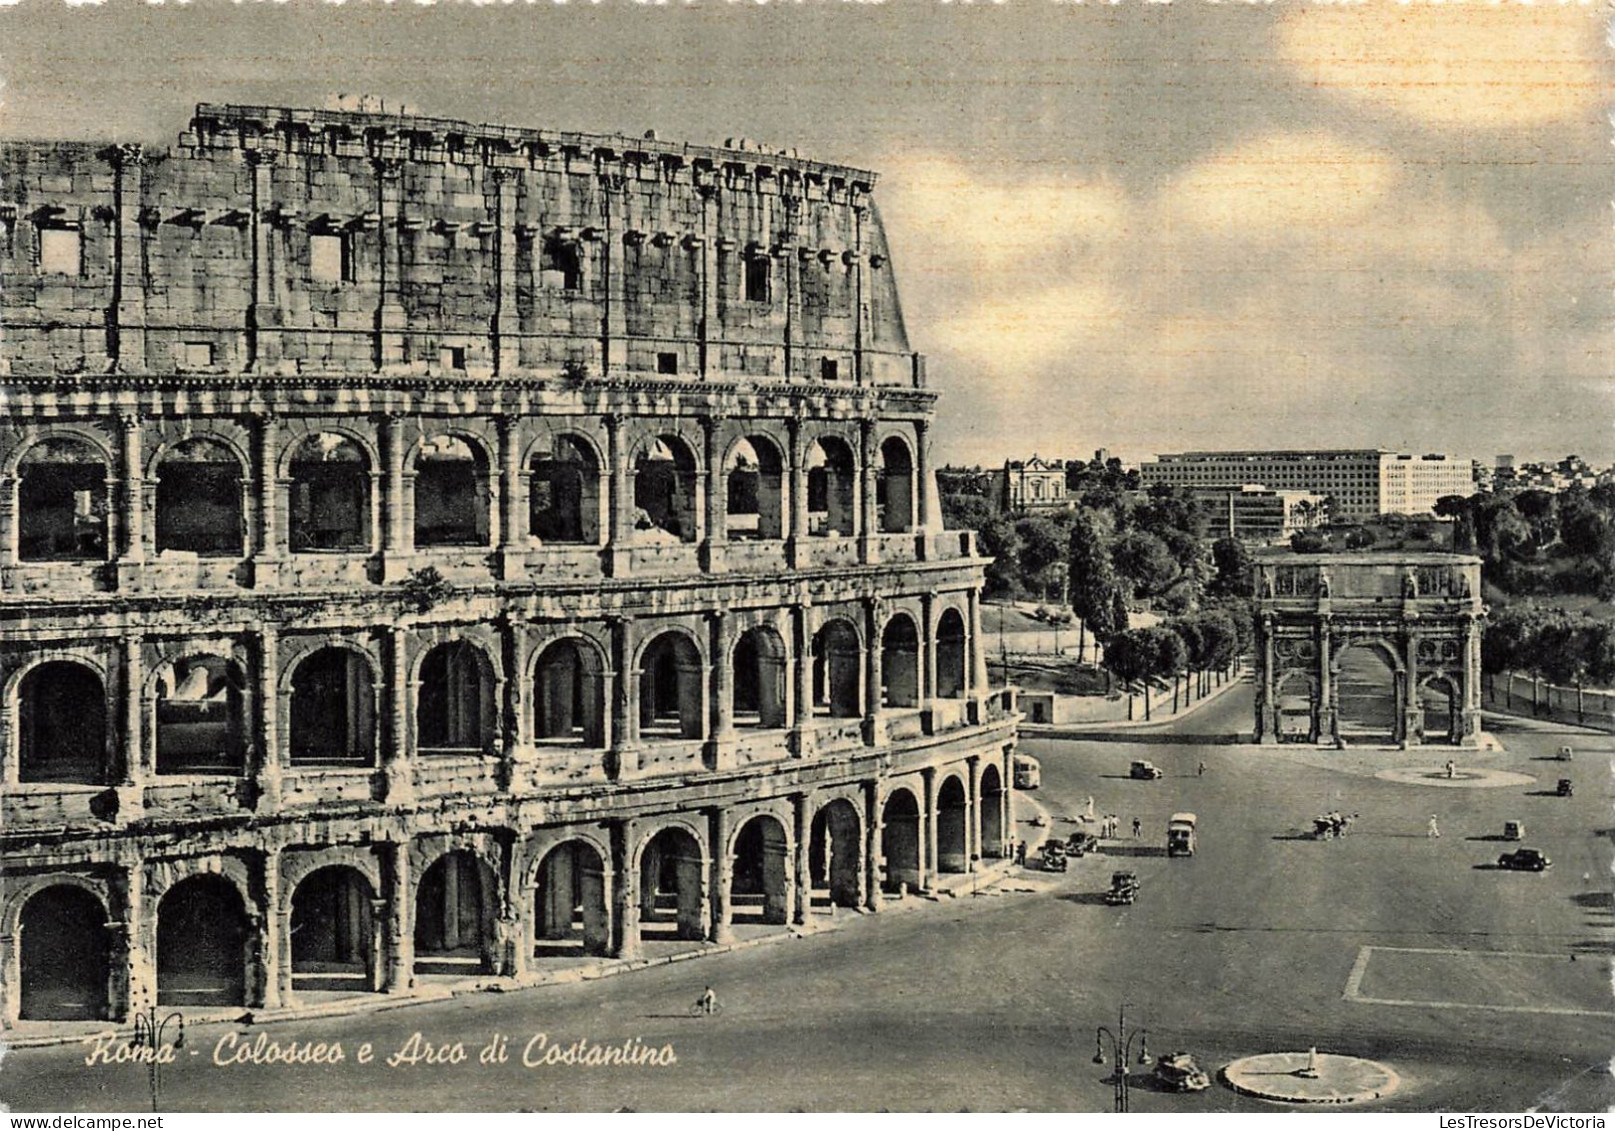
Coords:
pixel 1142 227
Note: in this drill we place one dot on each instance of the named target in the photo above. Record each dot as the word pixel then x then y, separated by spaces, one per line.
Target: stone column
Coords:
pixel 127 346
pixel 976 671
pixel 873 864
pixel 506 323
pixel 721 707
pixel 927 656
pixel 802 673
pixel 801 888
pixel 398 536
pixel 516 724
pixel 274 958
pixel 722 875
pixel 270 757
pixel 263 348
pixel 611 318
pixel 717 500
pixel 139 927
pixel 625 908
pixel 923 501
pixel 623 759
pixel 1267 708
pixel 390 318
pixel 874 707
pixel 132 503
pixel 708 327
pixel 860 336
pixel 797 531
pixel 973 849
pixel 512 558
pixel 928 823
pixel 620 492
pixel 134 770
pixel 398 762
pixel 1412 717
pixel 271 548
pixel 1328 728
pixel 1470 718
pixel 400 919
pixel 9 486
pixel 868 481
pixel 793 291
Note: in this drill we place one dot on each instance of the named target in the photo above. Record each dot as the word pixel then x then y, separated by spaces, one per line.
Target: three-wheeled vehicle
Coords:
pixel 1053 856
pixel 1565 754
pixel 1513 830
pixel 1123 889
pixel 1180 835
pixel 1564 789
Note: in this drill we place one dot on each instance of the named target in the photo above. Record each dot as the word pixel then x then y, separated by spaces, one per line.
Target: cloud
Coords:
pixel 1020 334
pixel 1457 65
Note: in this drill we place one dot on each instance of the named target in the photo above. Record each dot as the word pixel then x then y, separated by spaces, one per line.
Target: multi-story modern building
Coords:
pixel 1363 483
pixel 1032 484
pixel 429 547
pixel 1254 513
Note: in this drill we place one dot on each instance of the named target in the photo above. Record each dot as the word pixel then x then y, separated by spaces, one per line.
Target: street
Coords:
pixel 1484 989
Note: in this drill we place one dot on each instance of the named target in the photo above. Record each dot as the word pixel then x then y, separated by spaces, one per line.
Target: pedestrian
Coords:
pixel 1020 852
pixel 1090 807
pixel 1435 829
pixel 1201 770
pixel 1452 768
pixel 1137 827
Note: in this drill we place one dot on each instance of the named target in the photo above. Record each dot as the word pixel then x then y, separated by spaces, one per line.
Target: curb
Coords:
pixel 1104 727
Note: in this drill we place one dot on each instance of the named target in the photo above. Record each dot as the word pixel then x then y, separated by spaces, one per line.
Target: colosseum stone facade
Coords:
pixel 434 549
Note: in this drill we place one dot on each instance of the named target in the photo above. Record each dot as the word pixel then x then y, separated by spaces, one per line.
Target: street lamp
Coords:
pixel 1121 1047
pixel 149 1035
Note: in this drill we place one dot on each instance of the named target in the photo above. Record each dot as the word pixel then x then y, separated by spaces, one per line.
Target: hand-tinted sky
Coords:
pixel 1139 227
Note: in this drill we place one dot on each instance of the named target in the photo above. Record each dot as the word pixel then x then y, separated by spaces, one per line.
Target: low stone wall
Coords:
pixel 1516 694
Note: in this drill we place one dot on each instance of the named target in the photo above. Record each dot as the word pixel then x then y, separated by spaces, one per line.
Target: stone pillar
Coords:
pixel 390 317
pixel 797 529
pixel 274 939
pixel 398 536
pixel 722 881
pixel 516 723
pixel 625 908
pixel 874 707
pixel 717 500
pixel 976 670
pixel 270 757
pixel 802 673
pixel 400 929
pixel 924 499
pixel 611 318
pixel 620 493
pixel 793 293
pixel 1412 715
pixel 927 656
pixel 860 338
pixel 9 486
pixel 708 326
pixel 134 768
pixel 139 932
pixel 868 481
pixel 512 558
pixel 1470 720
pixel 872 857
pixel 802 832
pixel 1326 722
pixel 132 503
pixel 623 759
pixel 1267 708
pixel 263 348
pixel 721 706
pixel 127 346
pixel 973 848
pixel 398 757
pixel 271 548
pixel 506 322
pixel 928 823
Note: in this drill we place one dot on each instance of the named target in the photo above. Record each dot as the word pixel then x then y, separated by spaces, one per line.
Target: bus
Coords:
pixel 1028 773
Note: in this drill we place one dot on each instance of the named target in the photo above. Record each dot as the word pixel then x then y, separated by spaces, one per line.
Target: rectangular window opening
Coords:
pixel 667 363
pixel 828 369
pixel 197 355
pixel 61 251
pixel 451 357
pixel 328 259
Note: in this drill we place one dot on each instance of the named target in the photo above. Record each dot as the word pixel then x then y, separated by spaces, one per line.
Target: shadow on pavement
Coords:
pixel 1542 793
pixel 1131 850
pixel 1494 838
pixel 1600 900
pixel 1153 738
pixel 1087 898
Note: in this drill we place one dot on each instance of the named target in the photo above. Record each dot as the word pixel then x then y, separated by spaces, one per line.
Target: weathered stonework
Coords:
pixel 1376 648
pixel 433 548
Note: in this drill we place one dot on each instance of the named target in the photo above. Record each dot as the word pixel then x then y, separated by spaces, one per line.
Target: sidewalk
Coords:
pixel 429 988
pixel 1125 728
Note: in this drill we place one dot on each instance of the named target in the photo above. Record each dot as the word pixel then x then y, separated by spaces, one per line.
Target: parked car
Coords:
pixel 1566 754
pixel 1123 888
pixel 1178 1072
pixel 1513 830
pixel 1053 856
pixel 1524 860
pixel 1180 834
pixel 1080 844
pixel 1144 771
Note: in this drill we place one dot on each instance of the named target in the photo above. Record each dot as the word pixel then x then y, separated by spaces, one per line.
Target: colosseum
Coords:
pixel 435 550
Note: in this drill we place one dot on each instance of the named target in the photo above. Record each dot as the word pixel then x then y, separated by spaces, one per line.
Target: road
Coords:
pixel 990 1003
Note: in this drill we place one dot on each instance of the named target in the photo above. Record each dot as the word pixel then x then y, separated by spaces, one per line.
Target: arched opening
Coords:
pixel 900 663
pixel 454 711
pixel 202 932
pixel 563 493
pixel 832 488
pixel 759 683
pixel 992 812
pixel 754 473
pixel 835 854
pixel 1297 703
pixel 62 724
pixel 199 499
pixel 665 492
pixel 1438 701
pixel 950 655
pixel 952 839
pixel 900 841
pixel 837 671
pixel 671 704
pixel 201 717
pixel 672 901
pixel 65 954
pixel 1365 685
pixel 333 710
pixel 451 493
pixel 895 492
pixel 62 502
pixel 571 903
pixel 333 931
pixel 455 908
pixel 758 891
pixel 569 695
pixel 330 495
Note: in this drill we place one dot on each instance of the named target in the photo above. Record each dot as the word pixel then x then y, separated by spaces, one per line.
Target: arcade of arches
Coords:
pixel 491 905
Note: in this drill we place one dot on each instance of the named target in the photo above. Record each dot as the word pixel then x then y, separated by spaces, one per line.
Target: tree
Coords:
pixel 1096 594
pixel 1308 542
pixel 1145 564
pixel 1231 561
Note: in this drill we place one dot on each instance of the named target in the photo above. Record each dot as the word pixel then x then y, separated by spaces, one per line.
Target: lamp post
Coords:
pixel 1121 1047
pixel 149 1035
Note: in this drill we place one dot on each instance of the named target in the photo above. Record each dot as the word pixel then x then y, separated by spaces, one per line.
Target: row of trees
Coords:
pixel 1552 644
pixel 1188 650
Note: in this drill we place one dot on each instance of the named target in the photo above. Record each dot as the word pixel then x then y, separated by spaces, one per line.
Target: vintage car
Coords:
pixel 1513 830
pixel 1566 754
pixel 1180 834
pixel 1178 1072
pixel 1144 771
pixel 1524 860
pixel 1081 843
pixel 1123 889
pixel 1053 856
pixel 1564 788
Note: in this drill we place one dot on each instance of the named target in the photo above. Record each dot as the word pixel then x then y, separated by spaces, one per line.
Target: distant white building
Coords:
pixel 1363 482
pixel 1030 484
pixel 1254 513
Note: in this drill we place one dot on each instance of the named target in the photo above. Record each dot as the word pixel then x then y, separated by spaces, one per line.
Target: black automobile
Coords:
pixel 1524 860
